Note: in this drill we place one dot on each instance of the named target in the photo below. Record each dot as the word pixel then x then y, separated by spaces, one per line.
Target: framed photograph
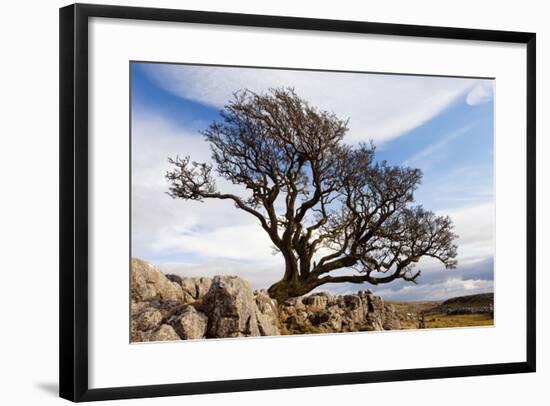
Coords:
pixel 257 202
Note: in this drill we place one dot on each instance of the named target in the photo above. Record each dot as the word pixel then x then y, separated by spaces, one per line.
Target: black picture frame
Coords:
pixel 73 254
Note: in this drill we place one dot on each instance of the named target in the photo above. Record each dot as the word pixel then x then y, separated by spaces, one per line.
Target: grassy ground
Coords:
pixel 435 313
pixel 445 320
pixel 413 306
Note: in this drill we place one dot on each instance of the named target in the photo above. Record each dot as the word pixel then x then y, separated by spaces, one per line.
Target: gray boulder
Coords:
pixel 391 319
pixel 146 319
pixel 316 301
pixel 361 311
pixel 163 333
pixel 194 288
pixel 233 311
pixel 190 324
pixel 267 314
pixel 148 283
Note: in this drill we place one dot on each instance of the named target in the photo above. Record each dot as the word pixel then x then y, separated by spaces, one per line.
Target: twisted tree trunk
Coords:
pixel 286 289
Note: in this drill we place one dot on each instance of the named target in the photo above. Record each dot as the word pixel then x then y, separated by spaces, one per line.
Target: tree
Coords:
pixel 325 205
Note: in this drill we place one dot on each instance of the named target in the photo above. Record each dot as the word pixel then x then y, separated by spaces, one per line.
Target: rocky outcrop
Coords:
pixel 149 283
pixel 267 314
pixel 147 324
pixel 234 311
pixel 230 306
pixel 146 319
pixel 189 324
pixel 391 318
pixel 325 313
pixel 316 301
pixel 172 307
pixel 162 333
pixel 193 288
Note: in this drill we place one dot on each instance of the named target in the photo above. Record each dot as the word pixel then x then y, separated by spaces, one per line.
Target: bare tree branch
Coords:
pixel 334 196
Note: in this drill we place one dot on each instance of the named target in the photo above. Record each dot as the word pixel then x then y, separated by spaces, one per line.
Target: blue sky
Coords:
pixel 443 126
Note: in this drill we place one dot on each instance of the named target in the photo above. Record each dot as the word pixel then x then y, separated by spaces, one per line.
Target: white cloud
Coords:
pixel 160 223
pixel 475 226
pixel 381 107
pixel 448 288
pixel 246 242
pixel 482 93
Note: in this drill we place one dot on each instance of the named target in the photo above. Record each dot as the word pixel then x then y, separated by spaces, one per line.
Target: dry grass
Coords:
pixel 446 321
pixel 459 320
pixel 299 328
pixel 435 312
pixel 409 324
pixel 413 306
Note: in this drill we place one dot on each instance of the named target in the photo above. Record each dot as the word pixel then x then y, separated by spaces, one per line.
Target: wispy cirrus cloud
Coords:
pixel 380 107
pixel 481 93
pixel 429 155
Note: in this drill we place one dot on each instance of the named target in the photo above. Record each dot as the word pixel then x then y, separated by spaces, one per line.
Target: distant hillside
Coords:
pixel 480 300
pixel 472 304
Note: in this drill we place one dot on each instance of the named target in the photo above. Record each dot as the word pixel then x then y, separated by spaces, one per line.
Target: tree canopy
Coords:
pixel 324 204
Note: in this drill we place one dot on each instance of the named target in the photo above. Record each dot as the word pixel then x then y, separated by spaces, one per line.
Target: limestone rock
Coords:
pixel 317 301
pixel 148 283
pixel 296 303
pixel 146 319
pixel 391 318
pixel 173 307
pixel 164 333
pixel 361 311
pixel 189 324
pixel 267 314
pixel 232 309
pixel 195 288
